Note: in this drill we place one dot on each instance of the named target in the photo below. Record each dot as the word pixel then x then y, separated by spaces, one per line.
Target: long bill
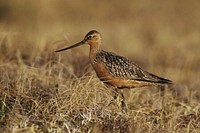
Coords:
pixel 72 46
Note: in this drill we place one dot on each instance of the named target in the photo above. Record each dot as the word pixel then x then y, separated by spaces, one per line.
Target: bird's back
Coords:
pixel 120 69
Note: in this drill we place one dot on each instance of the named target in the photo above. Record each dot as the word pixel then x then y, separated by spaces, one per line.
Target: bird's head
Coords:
pixel 93 38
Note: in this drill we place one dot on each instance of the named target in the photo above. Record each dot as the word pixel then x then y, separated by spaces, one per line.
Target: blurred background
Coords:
pixel 42 90
pixel 161 36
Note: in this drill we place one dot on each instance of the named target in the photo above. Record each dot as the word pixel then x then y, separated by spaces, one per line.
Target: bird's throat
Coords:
pixel 94 49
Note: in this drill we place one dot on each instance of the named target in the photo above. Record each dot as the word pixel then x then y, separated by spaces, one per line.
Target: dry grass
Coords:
pixel 42 91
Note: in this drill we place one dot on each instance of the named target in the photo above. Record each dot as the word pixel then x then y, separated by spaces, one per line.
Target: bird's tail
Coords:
pixel 162 80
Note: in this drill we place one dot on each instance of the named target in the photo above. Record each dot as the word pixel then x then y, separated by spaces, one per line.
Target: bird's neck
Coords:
pixel 94 49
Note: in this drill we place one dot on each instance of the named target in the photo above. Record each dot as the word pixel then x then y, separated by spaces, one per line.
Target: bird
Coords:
pixel 115 70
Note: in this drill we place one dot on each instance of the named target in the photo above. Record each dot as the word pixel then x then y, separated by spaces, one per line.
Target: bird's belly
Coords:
pixel 119 82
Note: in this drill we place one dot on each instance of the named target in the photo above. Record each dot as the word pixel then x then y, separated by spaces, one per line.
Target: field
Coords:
pixel 43 91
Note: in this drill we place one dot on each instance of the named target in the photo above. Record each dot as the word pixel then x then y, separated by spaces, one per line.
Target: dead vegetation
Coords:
pixel 42 91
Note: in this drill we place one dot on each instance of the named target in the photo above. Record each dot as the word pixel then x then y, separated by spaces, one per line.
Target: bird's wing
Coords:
pixel 124 68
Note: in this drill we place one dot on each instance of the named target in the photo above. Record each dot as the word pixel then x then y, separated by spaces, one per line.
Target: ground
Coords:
pixel 44 91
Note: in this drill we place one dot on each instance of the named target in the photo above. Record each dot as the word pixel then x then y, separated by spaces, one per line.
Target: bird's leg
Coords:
pixel 119 93
pixel 161 89
pixel 123 104
pixel 164 88
pixel 114 94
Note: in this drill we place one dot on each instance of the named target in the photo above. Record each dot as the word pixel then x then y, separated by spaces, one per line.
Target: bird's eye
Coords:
pixel 90 36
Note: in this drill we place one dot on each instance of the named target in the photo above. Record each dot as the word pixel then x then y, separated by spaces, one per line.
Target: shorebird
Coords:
pixel 115 70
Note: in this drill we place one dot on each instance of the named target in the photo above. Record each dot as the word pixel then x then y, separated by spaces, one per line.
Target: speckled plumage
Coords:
pixel 124 68
pixel 115 70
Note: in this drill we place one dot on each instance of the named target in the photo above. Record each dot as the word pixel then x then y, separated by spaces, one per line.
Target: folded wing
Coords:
pixel 124 68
